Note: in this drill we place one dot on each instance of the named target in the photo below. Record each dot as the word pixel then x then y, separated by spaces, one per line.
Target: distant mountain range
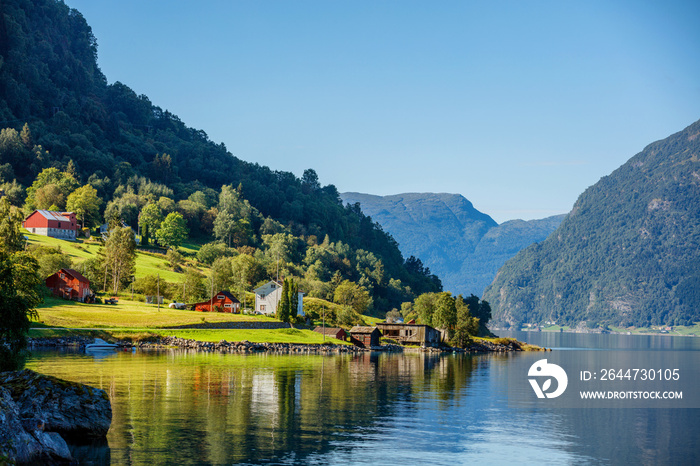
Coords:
pixel 627 254
pixel 463 246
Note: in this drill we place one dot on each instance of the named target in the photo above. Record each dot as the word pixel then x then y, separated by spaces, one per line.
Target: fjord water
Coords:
pixel 182 407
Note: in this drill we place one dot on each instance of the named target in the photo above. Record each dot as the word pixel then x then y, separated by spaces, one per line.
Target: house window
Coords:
pixel 59 224
pixel 63 277
pixel 220 296
pixel 228 305
pixel 262 307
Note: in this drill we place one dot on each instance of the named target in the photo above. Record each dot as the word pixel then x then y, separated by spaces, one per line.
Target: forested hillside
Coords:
pixel 627 254
pixel 462 245
pixel 66 128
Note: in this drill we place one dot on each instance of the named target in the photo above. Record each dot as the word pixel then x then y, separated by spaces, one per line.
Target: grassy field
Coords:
pixel 285 335
pixel 55 312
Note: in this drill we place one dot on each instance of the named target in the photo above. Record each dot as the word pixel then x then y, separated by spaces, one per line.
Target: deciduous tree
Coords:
pixel 172 231
pixel 19 283
pixel 85 203
pixel 119 257
pixel 11 238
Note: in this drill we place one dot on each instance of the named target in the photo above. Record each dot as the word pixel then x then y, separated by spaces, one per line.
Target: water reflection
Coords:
pixel 217 408
pixel 187 407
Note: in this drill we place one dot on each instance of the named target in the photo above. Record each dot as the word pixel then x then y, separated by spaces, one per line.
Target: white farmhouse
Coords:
pixel 268 296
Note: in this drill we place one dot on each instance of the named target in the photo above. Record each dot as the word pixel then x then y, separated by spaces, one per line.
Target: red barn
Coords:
pixel 62 225
pixel 69 284
pixel 333 332
pixel 223 301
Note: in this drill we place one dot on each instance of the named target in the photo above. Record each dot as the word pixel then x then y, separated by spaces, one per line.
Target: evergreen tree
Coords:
pixel 284 306
pixel 293 299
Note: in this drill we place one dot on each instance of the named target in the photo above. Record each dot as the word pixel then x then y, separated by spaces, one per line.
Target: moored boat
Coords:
pixel 100 345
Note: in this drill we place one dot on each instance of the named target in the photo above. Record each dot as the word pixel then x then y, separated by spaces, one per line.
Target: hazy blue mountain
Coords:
pixel 460 244
pixel 627 254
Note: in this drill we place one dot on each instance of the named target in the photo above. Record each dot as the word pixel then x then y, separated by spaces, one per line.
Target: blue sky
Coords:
pixel 519 106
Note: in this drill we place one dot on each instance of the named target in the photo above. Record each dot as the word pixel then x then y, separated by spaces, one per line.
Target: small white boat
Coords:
pixel 100 345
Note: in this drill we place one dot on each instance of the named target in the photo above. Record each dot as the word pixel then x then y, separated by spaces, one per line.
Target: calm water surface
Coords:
pixel 180 407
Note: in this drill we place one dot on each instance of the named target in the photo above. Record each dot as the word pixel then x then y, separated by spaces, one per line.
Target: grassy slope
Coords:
pixel 78 251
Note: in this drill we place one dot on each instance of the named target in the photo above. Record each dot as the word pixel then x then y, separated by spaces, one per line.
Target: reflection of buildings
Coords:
pixel 263 394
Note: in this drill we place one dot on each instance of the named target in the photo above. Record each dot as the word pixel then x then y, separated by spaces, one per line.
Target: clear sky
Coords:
pixel 517 105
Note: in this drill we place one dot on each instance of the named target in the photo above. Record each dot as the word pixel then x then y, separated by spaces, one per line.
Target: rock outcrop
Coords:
pixel 38 412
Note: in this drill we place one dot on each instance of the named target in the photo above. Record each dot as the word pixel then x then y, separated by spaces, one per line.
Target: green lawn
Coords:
pixel 55 312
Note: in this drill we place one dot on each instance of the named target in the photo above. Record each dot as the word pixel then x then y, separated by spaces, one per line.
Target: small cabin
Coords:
pixel 333 332
pixel 365 337
pixel 69 284
pixel 411 334
pixel 223 301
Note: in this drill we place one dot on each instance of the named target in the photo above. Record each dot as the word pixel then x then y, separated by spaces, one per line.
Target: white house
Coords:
pixel 268 296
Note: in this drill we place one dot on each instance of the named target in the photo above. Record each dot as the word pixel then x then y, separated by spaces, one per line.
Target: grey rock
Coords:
pixel 68 408
pixel 24 441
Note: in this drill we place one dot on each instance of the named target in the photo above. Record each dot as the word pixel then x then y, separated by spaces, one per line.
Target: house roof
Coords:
pixel 228 294
pixel 358 329
pixel 77 275
pixel 263 286
pixel 279 285
pixel 51 215
pixel 328 330
pixel 386 324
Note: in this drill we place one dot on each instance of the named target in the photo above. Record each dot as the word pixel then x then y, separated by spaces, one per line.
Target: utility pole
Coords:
pixel 211 300
pixel 158 293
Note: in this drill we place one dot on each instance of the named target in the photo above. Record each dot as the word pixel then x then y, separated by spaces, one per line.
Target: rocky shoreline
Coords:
pixel 38 413
pixel 481 346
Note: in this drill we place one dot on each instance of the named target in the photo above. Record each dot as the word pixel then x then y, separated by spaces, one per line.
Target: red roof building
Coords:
pixel 333 332
pixel 69 284
pixel 223 301
pixel 62 225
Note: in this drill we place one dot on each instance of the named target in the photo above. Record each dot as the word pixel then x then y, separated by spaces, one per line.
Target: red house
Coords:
pixel 69 284
pixel 62 225
pixel 223 301
pixel 333 332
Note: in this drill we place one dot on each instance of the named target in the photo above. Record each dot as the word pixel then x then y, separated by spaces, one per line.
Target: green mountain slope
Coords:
pixel 129 150
pixel 627 254
pixel 462 245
